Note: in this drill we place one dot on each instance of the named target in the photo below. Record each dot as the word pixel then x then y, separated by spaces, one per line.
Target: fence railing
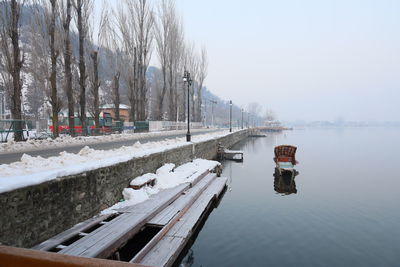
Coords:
pixel 155 126
pixel 41 129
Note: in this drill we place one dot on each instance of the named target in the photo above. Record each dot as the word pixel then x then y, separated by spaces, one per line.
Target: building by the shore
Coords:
pixel 123 111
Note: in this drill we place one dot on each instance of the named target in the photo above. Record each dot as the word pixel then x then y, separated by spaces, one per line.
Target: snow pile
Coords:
pixel 165 179
pixel 167 168
pixel 36 170
pixel 67 140
pixel 146 178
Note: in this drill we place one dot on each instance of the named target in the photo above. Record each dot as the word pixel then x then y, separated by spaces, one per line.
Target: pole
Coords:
pixel 212 114
pixel 205 113
pixel 242 119
pixel 188 137
pixel 230 117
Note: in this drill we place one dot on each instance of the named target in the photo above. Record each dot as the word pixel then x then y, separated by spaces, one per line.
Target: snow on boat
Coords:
pixel 285 159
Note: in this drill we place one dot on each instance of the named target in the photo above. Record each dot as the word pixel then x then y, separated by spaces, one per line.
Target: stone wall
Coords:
pixel 33 214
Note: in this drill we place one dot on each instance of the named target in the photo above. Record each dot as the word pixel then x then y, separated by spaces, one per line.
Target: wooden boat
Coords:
pixel 285 159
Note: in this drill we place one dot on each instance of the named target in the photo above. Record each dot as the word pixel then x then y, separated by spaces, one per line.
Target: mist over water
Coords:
pixel 345 211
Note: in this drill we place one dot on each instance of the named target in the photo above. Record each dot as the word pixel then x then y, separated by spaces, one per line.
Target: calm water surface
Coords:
pixel 346 211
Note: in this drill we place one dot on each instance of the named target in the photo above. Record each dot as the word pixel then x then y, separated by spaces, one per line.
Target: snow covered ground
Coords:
pixel 27 134
pixel 67 140
pixel 166 177
pixel 34 170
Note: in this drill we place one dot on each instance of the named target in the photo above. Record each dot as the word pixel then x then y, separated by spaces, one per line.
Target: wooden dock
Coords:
pixel 151 233
pixel 235 155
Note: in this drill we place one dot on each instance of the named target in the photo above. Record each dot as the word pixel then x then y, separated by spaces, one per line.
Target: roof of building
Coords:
pixel 111 106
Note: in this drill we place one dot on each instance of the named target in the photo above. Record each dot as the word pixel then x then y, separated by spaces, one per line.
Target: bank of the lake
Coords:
pixel 345 212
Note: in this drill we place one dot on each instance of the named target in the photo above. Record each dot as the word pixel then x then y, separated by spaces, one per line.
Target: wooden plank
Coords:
pixel 62 237
pixel 165 252
pixel 184 226
pixel 11 257
pixel 150 182
pixel 199 177
pixel 114 239
pixel 185 202
pixel 161 253
pixel 169 212
pixel 107 239
pixel 88 241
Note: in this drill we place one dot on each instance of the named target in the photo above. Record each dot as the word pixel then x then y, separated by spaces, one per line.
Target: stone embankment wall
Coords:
pixel 33 214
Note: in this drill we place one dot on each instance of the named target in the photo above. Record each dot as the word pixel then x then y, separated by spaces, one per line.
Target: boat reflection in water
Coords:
pixel 285 183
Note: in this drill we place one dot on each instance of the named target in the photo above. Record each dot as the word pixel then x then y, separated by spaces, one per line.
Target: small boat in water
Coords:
pixel 285 159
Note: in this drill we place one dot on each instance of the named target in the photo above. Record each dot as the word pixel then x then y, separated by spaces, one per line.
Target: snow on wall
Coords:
pixel 34 170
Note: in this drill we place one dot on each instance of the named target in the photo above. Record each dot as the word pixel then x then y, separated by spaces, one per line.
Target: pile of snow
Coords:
pixel 167 177
pixel 146 178
pixel 35 170
pixel 67 140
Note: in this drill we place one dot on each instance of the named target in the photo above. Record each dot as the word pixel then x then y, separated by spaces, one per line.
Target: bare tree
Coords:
pixel 202 74
pixel 144 38
pixel 135 21
pixel 94 77
pixel 54 53
pixel 45 45
pixel 82 8
pixel 163 31
pixel 175 52
pixel 112 49
pixel 35 97
pixel 66 21
pixel 254 109
pixel 11 58
pixel 192 66
pixel 38 65
pixel 95 88
pixel 125 26
pixel 39 61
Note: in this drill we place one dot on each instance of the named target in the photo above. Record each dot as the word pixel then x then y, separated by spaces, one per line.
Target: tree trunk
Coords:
pixel 82 67
pixel 53 76
pixel 116 96
pixel 162 96
pixel 199 102
pixel 96 85
pixel 134 108
pixel 171 96
pixel 16 72
pixel 192 112
pixel 131 100
pixel 176 97
pixel 68 72
pixel 143 94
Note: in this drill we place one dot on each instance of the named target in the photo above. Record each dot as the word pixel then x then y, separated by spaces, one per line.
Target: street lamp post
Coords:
pixel 186 79
pixel 230 116
pixel 242 119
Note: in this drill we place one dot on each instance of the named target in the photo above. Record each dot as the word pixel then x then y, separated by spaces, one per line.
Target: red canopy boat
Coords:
pixel 285 158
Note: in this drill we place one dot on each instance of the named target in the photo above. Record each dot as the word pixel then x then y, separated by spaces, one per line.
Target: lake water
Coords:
pixel 346 211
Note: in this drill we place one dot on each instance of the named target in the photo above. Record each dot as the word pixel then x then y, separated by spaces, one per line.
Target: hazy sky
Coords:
pixel 308 59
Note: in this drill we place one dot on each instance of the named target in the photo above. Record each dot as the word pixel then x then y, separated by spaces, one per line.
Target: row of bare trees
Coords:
pixel 54 50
